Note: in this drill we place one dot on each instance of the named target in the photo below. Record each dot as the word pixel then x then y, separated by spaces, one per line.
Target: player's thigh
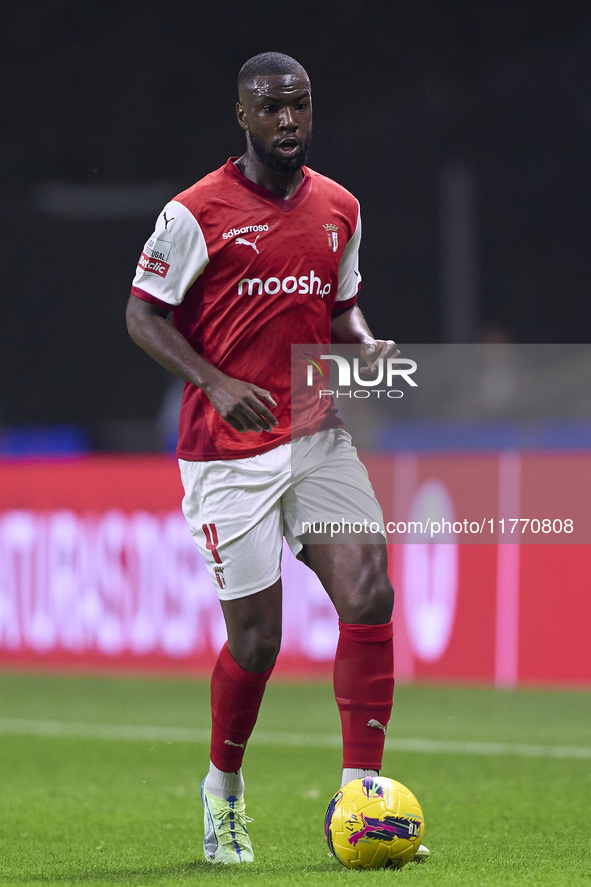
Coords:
pixel 330 499
pixel 335 524
pixel 233 510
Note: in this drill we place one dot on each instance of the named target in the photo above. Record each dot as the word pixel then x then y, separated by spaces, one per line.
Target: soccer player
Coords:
pixel 257 256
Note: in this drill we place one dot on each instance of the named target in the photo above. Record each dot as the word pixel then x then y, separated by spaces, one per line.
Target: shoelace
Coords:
pixel 234 835
pixel 227 814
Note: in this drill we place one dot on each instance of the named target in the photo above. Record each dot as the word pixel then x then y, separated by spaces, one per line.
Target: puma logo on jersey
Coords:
pixel 249 242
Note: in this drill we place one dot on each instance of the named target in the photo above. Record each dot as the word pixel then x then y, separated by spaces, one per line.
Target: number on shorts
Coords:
pixel 211 541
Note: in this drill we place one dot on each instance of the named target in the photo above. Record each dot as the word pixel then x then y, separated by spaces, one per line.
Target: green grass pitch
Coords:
pixel 89 795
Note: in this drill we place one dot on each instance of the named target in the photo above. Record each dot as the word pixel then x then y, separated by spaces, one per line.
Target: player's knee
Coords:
pixel 259 652
pixel 374 599
pixel 377 602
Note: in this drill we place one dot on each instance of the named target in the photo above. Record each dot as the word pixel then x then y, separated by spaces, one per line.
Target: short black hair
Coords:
pixel 268 63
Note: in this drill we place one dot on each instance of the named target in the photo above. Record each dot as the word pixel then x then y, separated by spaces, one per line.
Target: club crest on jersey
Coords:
pixel 333 237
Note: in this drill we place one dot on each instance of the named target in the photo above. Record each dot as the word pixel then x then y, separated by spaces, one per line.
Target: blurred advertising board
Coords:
pixel 98 571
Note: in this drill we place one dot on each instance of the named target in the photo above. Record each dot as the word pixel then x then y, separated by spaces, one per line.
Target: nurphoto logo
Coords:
pixel 389 371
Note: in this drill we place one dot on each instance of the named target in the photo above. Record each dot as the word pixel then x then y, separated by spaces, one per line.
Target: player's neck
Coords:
pixel 283 185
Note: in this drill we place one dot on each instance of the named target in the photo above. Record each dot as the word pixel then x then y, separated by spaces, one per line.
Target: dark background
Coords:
pixel 142 94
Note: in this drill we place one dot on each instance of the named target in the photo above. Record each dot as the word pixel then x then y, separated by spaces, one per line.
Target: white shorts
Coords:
pixel 240 509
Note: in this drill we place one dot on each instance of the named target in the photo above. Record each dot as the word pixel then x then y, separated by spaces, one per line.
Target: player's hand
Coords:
pixel 242 404
pixel 372 351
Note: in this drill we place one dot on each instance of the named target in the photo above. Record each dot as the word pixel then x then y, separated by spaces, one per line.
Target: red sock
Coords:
pixel 236 697
pixel 363 686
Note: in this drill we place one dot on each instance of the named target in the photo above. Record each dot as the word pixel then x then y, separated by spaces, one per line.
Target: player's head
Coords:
pixel 266 63
pixel 275 110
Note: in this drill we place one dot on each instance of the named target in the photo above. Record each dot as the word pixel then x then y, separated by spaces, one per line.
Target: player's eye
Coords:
pixel 302 106
pixel 270 109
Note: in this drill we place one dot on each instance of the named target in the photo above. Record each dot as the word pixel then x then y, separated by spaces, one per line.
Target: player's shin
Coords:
pixel 364 685
pixel 236 696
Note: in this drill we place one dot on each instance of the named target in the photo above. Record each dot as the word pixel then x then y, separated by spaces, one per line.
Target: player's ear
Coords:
pixel 241 116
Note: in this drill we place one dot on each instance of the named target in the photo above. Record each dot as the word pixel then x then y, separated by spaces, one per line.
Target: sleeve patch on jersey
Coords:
pixel 153 259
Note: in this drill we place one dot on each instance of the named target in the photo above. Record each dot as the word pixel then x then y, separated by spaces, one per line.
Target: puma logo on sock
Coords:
pixel 243 744
pixel 377 725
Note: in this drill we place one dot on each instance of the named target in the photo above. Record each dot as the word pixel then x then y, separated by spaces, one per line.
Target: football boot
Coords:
pixel 225 835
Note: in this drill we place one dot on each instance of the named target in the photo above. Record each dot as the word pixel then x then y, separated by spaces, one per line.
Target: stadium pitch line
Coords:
pixel 65 730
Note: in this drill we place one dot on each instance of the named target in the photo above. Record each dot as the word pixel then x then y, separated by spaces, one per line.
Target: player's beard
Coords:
pixel 280 164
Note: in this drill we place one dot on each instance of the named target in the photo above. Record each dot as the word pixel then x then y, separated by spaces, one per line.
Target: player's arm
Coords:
pixel 173 258
pixel 242 404
pixel 350 328
pixel 348 325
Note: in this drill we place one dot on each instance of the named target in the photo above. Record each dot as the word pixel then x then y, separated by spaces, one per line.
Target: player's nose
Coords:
pixel 287 120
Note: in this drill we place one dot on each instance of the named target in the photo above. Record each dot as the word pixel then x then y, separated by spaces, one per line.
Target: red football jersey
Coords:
pixel 247 274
